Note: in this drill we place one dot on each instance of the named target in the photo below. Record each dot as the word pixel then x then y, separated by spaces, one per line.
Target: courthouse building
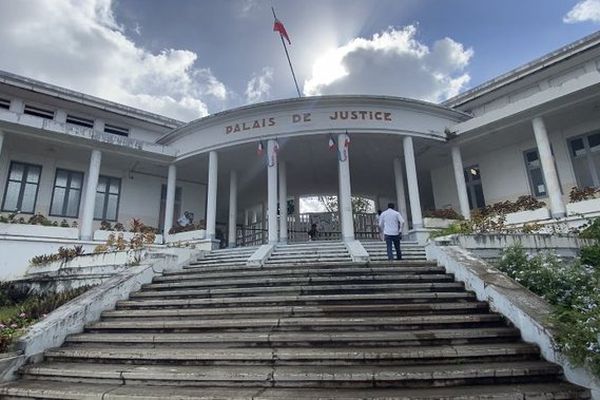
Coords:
pixel 77 158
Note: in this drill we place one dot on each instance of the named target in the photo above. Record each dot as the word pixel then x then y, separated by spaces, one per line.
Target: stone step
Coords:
pixel 302 280
pixel 313 376
pixel 407 264
pixel 358 310
pixel 316 255
pixel 298 339
pixel 354 298
pixel 251 272
pixel 398 356
pixel 299 323
pixel 43 389
pixel 299 289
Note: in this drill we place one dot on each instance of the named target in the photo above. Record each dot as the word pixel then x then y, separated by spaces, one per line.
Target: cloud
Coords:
pixel 395 63
pixel 586 10
pixel 259 87
pixel 78 44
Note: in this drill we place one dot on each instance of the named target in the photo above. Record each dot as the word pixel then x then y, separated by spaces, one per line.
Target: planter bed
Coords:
pixel 39 231
pixel 522 217
pixel 102 236
pixel 189 236
pixel 89 260
pixel 583 207
pixel 438 223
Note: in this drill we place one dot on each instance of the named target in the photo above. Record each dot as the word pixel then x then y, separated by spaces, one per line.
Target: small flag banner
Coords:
pixel 331 143
pixel 260 149
pixel 273 155
pixel 343 154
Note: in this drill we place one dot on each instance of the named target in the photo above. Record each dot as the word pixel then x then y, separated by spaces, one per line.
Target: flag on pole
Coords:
pixel 278 27
pixel 331 143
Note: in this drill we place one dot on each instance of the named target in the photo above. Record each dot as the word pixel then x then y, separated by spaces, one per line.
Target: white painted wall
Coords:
pixel 140 194
pixel 503 171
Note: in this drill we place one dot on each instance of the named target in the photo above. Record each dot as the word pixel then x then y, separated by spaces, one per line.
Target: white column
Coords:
pixel 557 207
pixel 232 209
pixel 1 141
pixel 89 202
pixel 170 200
pixel 211 201
pixel 413 183
pixel 283 215
pixel 345 192
pixel 461 186
pixel 400 197
pixel 272 191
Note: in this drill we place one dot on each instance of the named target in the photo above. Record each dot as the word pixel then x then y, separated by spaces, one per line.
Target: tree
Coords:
pixel 359 204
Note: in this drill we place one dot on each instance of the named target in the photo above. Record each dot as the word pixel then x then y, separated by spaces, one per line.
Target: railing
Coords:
pixel 328 228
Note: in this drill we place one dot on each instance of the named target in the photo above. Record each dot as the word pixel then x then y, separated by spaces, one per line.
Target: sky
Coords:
pixel 189 58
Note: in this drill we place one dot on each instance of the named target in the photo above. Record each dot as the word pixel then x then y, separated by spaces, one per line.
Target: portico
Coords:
pixel 262 156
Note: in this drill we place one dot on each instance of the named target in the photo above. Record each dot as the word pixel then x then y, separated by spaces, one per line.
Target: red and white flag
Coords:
pixel 331 143
pixel 278 27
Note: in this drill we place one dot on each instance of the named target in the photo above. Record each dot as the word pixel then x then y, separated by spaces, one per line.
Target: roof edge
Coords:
pixel 62 93
pixel 524 70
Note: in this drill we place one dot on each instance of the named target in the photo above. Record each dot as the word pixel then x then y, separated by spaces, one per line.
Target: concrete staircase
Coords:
pixel 225 257
pixel 377 250
pixel 295 329
pixel 309 253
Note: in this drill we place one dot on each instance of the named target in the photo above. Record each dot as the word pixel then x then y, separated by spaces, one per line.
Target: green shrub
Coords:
pixel 573 290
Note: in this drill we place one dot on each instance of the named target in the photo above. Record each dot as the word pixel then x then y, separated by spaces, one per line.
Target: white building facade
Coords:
pixel 80 160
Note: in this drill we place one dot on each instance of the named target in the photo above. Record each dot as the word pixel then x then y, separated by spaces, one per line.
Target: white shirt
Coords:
pixel 391 222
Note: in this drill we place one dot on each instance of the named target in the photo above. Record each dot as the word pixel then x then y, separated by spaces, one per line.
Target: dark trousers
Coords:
pixel 395 239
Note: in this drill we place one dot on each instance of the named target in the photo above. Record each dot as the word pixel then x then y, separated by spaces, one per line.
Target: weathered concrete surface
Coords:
pixel 490 245
pixel 357 251
pixel 528 312
pixel 261 255
pixel 74 315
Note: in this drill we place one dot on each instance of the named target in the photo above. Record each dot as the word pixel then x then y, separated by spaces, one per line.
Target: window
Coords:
pixel 535 173
pixel 66 194
pixel 107 198
pixel 474 187
pixel 21 187
pixel 116 130
pixel 585 154
pixel 4 103
pixel 86 123
pixel 38 112
pixel 163 202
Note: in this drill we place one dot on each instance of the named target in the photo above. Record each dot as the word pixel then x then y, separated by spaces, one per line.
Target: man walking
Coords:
pixel 391 223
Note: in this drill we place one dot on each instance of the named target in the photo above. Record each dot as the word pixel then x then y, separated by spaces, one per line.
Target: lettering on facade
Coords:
pixel 352 115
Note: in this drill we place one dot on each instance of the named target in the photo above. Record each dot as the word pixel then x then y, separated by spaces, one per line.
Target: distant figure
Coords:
pixel 313 233
pixel 186 219
pixel 391 223
pixel 379 231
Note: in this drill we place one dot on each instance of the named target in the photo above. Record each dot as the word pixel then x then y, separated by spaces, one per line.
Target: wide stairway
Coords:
pixel 292 330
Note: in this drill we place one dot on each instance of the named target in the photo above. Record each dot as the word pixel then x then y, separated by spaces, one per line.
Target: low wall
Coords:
pixel 16 252
pixel 72 317
pixel 524 309
pixel 489 246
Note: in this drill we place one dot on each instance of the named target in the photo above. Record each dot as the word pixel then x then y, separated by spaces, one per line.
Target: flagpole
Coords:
pixel 288 57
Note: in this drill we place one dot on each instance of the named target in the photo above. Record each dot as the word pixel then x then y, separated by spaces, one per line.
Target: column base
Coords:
pixel 419 235
pixel 559 215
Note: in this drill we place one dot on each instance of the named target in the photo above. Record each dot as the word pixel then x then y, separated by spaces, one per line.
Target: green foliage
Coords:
pixel 590 255
pixel 580 194
pixel 16 317
pixel 573 290
pixel 64 254
pixel 590 230
pixel 447 213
